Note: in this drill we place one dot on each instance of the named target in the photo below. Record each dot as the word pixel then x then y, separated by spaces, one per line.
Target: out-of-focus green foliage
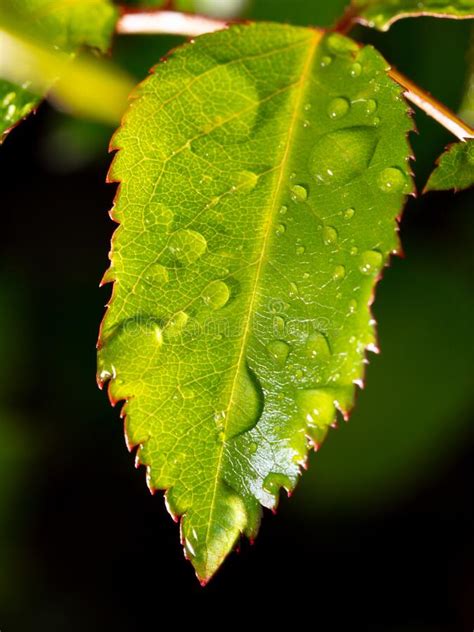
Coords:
pixel 455 168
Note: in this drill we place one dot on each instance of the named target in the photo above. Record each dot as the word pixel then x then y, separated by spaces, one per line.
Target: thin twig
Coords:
pixel 167 23
pixel 432 107
pixel 190 25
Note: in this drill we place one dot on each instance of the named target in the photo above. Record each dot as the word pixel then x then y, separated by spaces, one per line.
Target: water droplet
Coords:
pixel 392 180
pixel 376 121
pixel 339 273
pixel 216 294
pixel 274 481
pixel 338 108
pixel 352 306
pixel 253 447
pixel 317 346
pixel 8 98
pixel 280 229
pixel 299 193
pixel 279 350
pixel 370 106
pixel 355 70
pixel 187 246
pixel 341 45
pixel 294 292
pixel 329 235
pixel 246 181
pixel 283 210
pixel 278 326
pixel 157 275
pixel 370 262
pixel 349 213
pixel 300 250
pixel 325 61
pixel 176 325
pixel 316 406
pixel 298 374
pixel 307 107
pixel 306 124
pixel 340 156
pixel 354 250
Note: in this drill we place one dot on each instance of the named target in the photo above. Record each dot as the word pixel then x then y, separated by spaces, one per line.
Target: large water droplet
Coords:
pixel 216 294
pixel 370 262
pixel 392 180
pixel 279 350
pixel 338 108
pixel 317 346
pixel 187 245
pixel 176 325
pixel 340 156
pixel 316 406
pixel 329 235
pixel 248 394
pixel 299 193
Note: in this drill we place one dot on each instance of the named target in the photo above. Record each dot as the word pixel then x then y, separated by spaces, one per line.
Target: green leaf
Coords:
pixel 455 168
pixel 261 173
pixel 381 14
pixel 50 24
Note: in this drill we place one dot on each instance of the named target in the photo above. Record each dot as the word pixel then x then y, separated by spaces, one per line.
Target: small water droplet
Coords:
pixel 352 306
pixel 279 350
pixel 8 98
pixel 253 448
pixel 300 250
pixel 325 61
pixel 376 121
pixel 392 180
pixel 283 210
pixel 341 45
pixel 280 229
pixel 354 250
pixel 370 106
pixel 273 481
pixel 349 213
pixel 294 292
pixel 329 235
pixel 216 294
pixel 370 262
pixel 339 273
pixel 299 193
pixel 278 326
pixel 187 246
pixel 338 108
pixel 317 346
pixel 316 406
pixel 355 70
pixel 306 124
pixel 298 374
pixel 307 107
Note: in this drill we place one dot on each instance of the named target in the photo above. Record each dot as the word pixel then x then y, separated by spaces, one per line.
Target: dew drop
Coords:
pixel 307 107
pixel 157 275
pixel 187 246
pixel 298 374
pixel 8 98
pixel 370 106
pixel 341 45
pixel 283 210
pixel 370 262
pixel 325 61
pixel 316 406
pixel 273 481
pixel 338 108
pixel 246 181
pixel 354 250
pixel 376 121
pixel 280 229
pixel 216 294
pixel 278 326
pixel 299 193
pixel 340 156
pixel 317 346
pixel 176 325
pixel 355 70
pixel 329 235
pixel 300 250
pixel 352 306
pixel 339 273
pixel 392 180
pixel 278 350
pixel 253 448
pixel 349 213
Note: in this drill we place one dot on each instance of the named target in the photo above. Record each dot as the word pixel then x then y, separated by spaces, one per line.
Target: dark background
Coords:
pixel 379 533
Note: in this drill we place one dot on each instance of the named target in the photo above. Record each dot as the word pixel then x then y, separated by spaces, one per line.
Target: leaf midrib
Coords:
pixel 299 96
